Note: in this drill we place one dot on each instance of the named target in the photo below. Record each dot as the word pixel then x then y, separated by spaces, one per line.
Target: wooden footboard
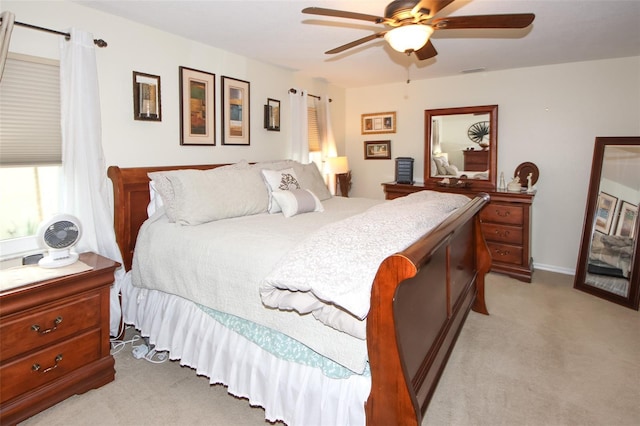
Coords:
pixel 419 301
pixel 420 298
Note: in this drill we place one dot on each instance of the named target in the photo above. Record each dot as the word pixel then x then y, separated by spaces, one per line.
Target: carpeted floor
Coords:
pixel 547 355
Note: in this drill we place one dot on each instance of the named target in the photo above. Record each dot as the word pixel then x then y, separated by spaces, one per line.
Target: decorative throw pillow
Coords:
pixel 297 201
pixel 279 180
pixel 311 179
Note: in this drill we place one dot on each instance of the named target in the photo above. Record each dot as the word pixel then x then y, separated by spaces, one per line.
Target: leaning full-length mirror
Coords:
pixel 461 145
pixel 608 264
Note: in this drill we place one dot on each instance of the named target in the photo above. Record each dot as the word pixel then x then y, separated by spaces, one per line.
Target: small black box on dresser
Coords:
pixel 404 170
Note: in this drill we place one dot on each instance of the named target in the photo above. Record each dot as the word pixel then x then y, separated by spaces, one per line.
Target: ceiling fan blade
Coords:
pixel 517 20
pixel 355 43
pixel 427 51
pixel 433 6
pixel 342 14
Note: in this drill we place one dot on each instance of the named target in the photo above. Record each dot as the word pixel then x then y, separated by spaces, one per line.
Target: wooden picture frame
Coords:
pixel 377 150
pixel 236 117
pixel 627 218
pixel 605 212
pixel 197 107
pixel 272 115
pixel 147 105
pixel 381 122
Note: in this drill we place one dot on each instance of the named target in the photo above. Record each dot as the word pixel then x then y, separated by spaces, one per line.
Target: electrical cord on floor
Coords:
pixel 141 350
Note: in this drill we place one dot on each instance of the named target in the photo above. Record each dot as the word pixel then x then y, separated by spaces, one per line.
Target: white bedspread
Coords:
pixel 336 285
pixel 221 264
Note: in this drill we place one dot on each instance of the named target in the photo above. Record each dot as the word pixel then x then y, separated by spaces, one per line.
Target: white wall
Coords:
pixel 134 47
pixel 548 115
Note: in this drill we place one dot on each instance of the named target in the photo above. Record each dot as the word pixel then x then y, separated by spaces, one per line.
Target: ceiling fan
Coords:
pixel 411 22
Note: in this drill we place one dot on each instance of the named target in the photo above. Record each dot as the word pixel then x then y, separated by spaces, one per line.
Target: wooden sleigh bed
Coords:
pixel 420 298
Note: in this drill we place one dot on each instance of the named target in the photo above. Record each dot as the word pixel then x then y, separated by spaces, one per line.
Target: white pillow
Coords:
pixel 279 180
pixel 205 196
pixel 297 201
pixel 311 179
pixel 155 199
pixel 441 163
pixel 163 187
pixel 451 169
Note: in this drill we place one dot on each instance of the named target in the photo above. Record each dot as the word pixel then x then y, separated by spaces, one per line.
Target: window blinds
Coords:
pixel 30 112
pixel 314 135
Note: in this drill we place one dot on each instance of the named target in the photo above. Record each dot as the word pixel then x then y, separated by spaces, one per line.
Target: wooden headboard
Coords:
pixel 130 200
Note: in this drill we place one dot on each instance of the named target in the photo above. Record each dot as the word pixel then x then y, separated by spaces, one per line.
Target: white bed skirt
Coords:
pixel 290 392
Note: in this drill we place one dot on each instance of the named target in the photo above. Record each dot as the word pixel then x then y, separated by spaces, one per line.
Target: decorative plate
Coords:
pixel 523 170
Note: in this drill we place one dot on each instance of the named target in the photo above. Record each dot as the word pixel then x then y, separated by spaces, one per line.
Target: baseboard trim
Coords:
pixel 553 268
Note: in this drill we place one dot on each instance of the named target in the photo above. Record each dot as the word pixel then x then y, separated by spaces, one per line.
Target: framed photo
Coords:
pixel 604 212
pixel 197 107
pixel 235 112
pixel 377 150
pixel 272 115
pixel 627 220
pixel 146 97
pixel 382 122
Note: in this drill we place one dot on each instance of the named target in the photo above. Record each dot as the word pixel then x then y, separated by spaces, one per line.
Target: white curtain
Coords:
pixel 85 191
pixel 299 131
pixel 6 27
pixel 327 141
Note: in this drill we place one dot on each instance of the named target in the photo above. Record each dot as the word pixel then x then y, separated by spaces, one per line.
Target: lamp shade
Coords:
pixel 409 37
pixel 336 165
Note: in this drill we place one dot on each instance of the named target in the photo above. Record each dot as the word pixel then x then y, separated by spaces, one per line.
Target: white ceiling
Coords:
pixel 276 32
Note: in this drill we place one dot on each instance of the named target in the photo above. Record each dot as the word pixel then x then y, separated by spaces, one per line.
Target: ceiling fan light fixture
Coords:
pixel 409 37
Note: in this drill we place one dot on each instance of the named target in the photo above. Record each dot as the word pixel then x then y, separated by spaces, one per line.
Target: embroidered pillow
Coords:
pixel 277 181
pixel 297 201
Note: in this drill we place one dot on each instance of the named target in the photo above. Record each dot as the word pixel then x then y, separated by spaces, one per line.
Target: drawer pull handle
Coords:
pixel 56 323
pixel 503 214
pixel 502 252
pixel 502 233
pixel 36 366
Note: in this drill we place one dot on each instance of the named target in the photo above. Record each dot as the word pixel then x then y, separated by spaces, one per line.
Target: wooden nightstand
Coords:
pixel 54 339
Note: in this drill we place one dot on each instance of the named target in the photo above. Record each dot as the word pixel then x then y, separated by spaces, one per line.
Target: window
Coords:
pixel 30 149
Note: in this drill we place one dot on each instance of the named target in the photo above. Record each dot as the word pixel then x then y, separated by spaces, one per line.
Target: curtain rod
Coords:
pixel 294 91
pixel 98 42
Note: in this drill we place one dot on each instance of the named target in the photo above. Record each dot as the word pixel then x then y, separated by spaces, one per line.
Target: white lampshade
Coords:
pixel 409 37
pixel 336 165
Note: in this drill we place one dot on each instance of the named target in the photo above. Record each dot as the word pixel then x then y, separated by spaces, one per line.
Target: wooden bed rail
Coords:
pixel 419 300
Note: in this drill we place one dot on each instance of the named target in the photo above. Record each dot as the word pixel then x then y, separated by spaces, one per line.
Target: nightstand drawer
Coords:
pixel 505 253
pixel 24 332
pixel 502 213
pixel 502 233
pixel 48 364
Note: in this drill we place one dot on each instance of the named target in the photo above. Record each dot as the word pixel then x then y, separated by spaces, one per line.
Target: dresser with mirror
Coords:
pixel 461 156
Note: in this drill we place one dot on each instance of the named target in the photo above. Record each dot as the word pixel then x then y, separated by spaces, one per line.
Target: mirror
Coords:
pixel 608 264
pixel 461 144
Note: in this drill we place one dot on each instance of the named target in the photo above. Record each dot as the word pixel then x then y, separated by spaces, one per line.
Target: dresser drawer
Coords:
pixel 502 233
pixel 505 253
pixel 48 364
pixel 502 213
pixel 21 333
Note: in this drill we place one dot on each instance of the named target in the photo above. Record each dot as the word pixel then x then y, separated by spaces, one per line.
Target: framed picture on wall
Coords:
pixel 377 150
pixel 197 107
pixel 235 112
pixel 146 97
pixel 381 122
pixel 272 115
pixel 627 220
pixel 604 212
